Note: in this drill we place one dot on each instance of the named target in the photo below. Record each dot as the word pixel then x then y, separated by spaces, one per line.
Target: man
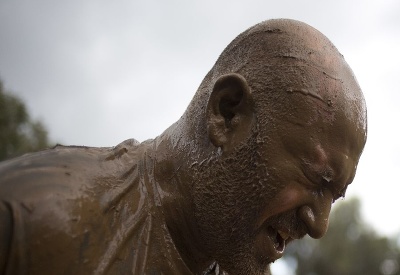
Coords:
pixel 271 139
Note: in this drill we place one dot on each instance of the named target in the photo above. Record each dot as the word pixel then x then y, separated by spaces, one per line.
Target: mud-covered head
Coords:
pixel 268 56
pixel 285 122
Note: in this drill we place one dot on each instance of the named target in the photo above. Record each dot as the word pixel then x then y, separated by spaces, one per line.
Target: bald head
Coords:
pixel 268 43
pixel 280 60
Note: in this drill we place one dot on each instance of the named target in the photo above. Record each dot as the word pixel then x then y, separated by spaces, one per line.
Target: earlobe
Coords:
pixel 229 112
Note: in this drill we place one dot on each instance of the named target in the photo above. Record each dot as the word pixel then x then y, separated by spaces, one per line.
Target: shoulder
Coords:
pixel 50 170
pixel 70 170
pixel 44 187
pixel 63 197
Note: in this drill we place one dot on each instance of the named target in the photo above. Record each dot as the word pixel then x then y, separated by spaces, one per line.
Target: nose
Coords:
pixel 315 215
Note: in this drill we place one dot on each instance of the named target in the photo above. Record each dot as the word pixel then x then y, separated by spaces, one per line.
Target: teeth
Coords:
pixel 283 235
pixel 280 242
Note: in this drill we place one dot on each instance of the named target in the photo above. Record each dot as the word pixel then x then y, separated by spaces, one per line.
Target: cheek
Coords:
pixel 289 198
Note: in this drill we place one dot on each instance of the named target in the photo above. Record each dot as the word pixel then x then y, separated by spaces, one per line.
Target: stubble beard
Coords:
pixel 228 201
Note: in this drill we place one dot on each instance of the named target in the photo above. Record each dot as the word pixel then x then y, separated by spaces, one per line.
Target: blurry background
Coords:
pixel 99 72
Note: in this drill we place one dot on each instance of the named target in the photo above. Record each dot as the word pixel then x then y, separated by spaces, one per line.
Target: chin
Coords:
pixel 244 259
pixel 244 267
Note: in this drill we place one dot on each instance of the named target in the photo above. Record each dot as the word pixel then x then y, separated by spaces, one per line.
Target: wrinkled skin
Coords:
pixel 271 139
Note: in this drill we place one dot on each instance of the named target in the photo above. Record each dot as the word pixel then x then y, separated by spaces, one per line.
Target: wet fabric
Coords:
pixel 81 210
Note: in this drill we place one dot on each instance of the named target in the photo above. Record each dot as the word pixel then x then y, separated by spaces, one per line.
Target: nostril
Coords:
pixel 316 223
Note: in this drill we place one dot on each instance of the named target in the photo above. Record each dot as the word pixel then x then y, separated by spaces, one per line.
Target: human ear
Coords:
pixel 229 112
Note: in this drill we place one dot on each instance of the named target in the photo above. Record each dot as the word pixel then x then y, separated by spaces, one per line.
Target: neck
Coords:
pixel 174 180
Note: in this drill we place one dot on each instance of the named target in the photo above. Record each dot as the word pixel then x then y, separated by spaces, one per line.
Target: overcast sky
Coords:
pixel 99 72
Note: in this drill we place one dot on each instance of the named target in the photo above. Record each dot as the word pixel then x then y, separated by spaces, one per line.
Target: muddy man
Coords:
pixel 270 140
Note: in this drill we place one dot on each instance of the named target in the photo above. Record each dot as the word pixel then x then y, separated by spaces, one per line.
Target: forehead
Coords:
pixel 327 90
pixel 315 104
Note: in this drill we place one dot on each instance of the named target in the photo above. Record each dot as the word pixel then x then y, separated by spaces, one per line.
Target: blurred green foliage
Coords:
pixel 19 134
pixel 350 247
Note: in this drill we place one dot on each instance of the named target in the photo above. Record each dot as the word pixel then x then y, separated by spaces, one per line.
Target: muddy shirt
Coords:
pixel 80 210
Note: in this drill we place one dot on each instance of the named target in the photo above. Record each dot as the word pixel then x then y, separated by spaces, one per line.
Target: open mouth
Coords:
pixel 279 238
pixel 279 242
pixel 271 242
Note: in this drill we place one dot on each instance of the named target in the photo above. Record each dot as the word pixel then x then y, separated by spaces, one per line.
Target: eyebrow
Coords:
pixel 326 173
pixel 337 191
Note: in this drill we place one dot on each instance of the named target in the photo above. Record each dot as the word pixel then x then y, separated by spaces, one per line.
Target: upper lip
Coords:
pixel 287 235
